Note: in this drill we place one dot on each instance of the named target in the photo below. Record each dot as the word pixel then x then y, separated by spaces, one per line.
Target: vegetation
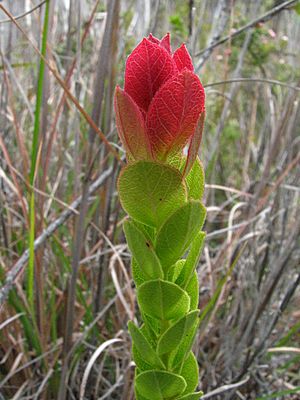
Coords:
pixel 66 290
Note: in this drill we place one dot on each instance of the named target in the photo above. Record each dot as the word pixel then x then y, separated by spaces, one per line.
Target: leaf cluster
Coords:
pixel 165 220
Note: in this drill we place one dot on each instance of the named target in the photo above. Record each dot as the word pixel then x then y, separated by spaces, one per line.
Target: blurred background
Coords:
pixel 66 290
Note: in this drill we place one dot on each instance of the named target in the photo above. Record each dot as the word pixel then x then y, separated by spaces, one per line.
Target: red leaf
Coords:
pixel 194 144
pixel 173 114
pixel 183 59
pixel 131 126
pixel 147 68
pixel 166 43
pixel 153 39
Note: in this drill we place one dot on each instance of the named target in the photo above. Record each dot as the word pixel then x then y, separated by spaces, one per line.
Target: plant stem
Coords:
pixel 34 153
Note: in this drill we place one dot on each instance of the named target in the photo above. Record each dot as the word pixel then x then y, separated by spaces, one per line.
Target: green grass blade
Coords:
pixel 39 97
pixel 293 331
pixel 282 394
pixel 34 152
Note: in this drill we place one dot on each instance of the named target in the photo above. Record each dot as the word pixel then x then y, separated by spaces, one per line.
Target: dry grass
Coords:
pixel 63 329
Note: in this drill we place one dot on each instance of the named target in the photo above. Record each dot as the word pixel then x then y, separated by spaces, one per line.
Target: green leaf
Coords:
pixel 148 332
pixel 152 326
pixel 159 385
pixel 173 336
pixel 194 144
pixel 144 347
pixel 142 250
pixel 163 300
pixel 177 233
pixel 195 181
pixel 178 357
pixel 175 270
pixel 192 260
pixel 176 160
pixel 139 396
pixel 139 360
pixel 138 274
pixel 150 191
pixel 148 231
pixel 190 373
pixel 192 290
pixel 192 396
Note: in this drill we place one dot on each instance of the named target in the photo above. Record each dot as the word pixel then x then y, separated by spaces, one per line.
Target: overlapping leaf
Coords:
pixel 177 233
pixel 148 67
pixel 163 300
pixel 178 357
pixel 174 112
pixel 131 126
pixel 172 337
pixel 159 385
pixel 194 143
pixel 192 260
pixel 142 250
pixel 190 373
pixel 192 290
pixel 165 42
pixel 150 191
pixel 195 180
pixel 183 59
pixel 144 347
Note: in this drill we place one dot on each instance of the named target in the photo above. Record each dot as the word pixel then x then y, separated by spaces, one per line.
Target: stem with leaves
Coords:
pixel 159 112
pixel 165 220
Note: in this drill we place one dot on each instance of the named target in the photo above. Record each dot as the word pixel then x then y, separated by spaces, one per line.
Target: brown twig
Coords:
pixel 40 240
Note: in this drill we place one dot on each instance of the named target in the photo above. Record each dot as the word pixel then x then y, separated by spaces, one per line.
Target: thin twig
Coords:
pixel 270 81
pixel 3 21
pixel 64 216
pixel 263 18
pixel 225 388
